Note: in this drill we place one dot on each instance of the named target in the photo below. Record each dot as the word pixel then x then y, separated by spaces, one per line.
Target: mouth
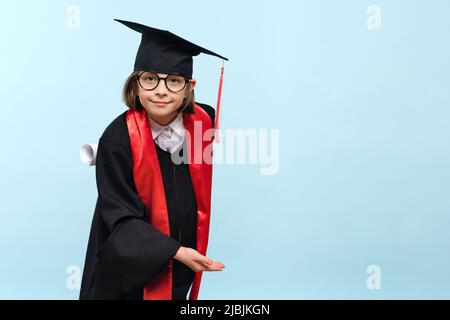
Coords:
pixel 160 103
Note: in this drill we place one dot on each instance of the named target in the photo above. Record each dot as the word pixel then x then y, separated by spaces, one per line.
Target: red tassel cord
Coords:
pixel 219 96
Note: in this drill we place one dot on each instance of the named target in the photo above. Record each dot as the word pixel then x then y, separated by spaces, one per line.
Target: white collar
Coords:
pixel 171 136
pixel 176 125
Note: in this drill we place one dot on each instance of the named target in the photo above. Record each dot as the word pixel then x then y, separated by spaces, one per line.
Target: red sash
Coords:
pixel 149 185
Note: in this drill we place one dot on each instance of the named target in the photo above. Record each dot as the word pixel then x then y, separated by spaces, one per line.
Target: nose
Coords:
pixel 161 89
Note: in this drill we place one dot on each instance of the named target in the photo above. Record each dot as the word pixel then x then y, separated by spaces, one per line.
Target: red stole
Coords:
pixel 149 185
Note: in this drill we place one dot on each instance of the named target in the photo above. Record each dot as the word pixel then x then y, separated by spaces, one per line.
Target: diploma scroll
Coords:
pixel 88 153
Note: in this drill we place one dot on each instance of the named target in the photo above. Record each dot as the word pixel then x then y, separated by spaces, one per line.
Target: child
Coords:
pixel 150 228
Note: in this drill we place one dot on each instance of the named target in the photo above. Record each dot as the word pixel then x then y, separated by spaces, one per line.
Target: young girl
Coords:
pixel 150 228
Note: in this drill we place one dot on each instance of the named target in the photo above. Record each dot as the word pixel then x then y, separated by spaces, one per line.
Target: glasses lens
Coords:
pixel 175 83
pixel 148 80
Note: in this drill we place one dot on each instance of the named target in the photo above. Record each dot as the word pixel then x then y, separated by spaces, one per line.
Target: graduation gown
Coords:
pixel 125 252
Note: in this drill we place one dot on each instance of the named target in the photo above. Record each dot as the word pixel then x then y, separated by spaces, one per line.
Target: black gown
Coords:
pixel 125 251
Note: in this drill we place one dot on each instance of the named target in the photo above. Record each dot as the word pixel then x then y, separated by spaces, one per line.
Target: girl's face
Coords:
pixel 161 103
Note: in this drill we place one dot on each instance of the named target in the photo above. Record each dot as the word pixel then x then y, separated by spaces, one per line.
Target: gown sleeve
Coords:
pixel 134 249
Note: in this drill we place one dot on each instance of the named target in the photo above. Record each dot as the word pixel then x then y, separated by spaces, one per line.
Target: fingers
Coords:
pixel 216 266
pixel 205 260
pixel 213 266
pixel 201 267
pixel 203 263
pixel 202 259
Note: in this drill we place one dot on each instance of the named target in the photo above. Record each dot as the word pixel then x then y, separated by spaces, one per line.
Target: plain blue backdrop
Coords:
pixel 363 116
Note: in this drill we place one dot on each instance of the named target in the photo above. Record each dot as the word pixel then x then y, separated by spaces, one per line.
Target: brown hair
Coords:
pixel 131 98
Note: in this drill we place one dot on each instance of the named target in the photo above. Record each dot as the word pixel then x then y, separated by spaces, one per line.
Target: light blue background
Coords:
pixel 364 141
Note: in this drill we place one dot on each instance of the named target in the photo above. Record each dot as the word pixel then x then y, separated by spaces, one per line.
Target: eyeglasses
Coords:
pixel 150 80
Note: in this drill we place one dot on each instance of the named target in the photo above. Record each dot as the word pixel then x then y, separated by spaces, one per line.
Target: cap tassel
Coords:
pixel 219 96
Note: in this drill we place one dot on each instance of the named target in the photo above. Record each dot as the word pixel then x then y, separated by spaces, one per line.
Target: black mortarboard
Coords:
pixel 165 52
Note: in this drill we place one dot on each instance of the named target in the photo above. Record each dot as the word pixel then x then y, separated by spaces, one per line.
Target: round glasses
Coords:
pixel 150 80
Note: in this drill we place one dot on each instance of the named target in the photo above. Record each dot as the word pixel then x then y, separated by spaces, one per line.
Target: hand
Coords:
pixel 196 261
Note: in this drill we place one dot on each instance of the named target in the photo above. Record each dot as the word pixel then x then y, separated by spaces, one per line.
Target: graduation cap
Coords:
pixel 164 52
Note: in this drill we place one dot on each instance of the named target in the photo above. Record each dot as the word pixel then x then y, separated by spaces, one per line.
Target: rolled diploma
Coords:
pixel 88 153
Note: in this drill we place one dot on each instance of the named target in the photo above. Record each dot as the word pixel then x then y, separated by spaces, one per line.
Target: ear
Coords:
pixel 192 82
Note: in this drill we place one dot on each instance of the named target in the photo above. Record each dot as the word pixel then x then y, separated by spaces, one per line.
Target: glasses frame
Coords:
pixel 138 78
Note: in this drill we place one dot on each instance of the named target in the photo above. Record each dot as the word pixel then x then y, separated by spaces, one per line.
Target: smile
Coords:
pixel 160 103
